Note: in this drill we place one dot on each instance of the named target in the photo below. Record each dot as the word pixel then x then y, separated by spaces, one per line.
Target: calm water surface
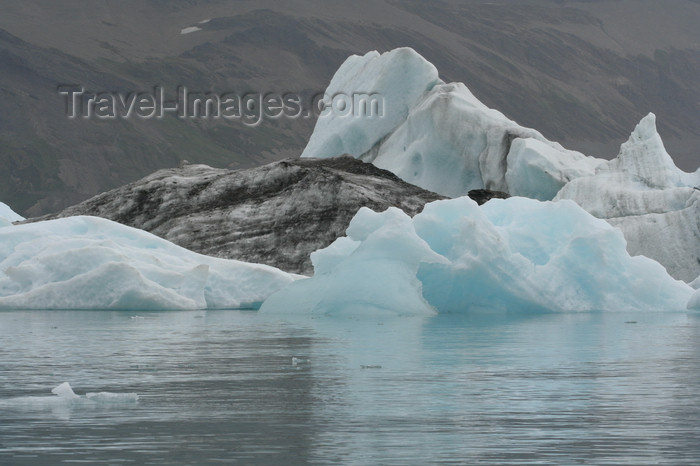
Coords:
pixel 244 388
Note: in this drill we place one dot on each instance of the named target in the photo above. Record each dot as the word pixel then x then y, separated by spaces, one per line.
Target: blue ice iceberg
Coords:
pixel 440 137
pixel 93 263
pixel 513 255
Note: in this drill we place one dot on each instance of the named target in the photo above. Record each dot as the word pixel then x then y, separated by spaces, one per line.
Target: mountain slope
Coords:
pixel 581 72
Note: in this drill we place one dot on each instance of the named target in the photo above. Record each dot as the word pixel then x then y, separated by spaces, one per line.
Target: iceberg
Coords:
pixel 64 391
pixel 7 215
pixel 509 255
pixel 65 397
pixel 538 171
pixel 643 193
pixel 93 263
pixel 372 270
pixel 694 303
pixel 400 77
pixel 438 135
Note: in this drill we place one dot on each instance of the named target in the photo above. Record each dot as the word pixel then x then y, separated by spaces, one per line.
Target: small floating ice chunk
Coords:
pixel 112 398
pixel 66 399
pixel 189 30
pixel 64 391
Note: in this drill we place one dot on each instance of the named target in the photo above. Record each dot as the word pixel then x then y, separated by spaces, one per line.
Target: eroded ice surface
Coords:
pixel 400 77
pixel 93 263
pixel 655 204
pixel 513 255
pixel 440 136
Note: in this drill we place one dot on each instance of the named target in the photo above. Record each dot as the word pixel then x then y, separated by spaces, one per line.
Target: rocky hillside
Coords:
pixel 581 72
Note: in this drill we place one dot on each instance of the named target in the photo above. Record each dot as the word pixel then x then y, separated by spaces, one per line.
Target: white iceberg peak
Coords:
pixel 645 129
pixel 652 201
pixel 438 135
pixel 399 77
pixel 644 158
pixel 64 391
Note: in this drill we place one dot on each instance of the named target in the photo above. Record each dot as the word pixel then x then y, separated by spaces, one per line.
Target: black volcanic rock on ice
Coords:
pixel 276 214
pixel 482 196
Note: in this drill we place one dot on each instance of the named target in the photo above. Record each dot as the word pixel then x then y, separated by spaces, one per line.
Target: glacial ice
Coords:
pixel 655 204
pixel 64 391
pixel 64 397
pixel 7 215
pixel 694 303
pixel 538 170
pixel 440 136
pixel 93 263
pixel 513 255
pixel 338 134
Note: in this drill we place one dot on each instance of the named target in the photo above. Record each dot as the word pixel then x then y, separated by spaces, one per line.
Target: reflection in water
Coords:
pixel 243 387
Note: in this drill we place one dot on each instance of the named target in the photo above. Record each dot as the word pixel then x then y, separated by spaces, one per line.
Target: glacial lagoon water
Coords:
pixel 239 387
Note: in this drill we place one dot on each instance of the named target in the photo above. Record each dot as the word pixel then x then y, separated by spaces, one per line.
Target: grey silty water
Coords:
pixel 239 387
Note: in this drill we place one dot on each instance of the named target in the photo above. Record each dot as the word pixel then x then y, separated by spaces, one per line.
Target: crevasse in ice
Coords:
pixel 514 255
